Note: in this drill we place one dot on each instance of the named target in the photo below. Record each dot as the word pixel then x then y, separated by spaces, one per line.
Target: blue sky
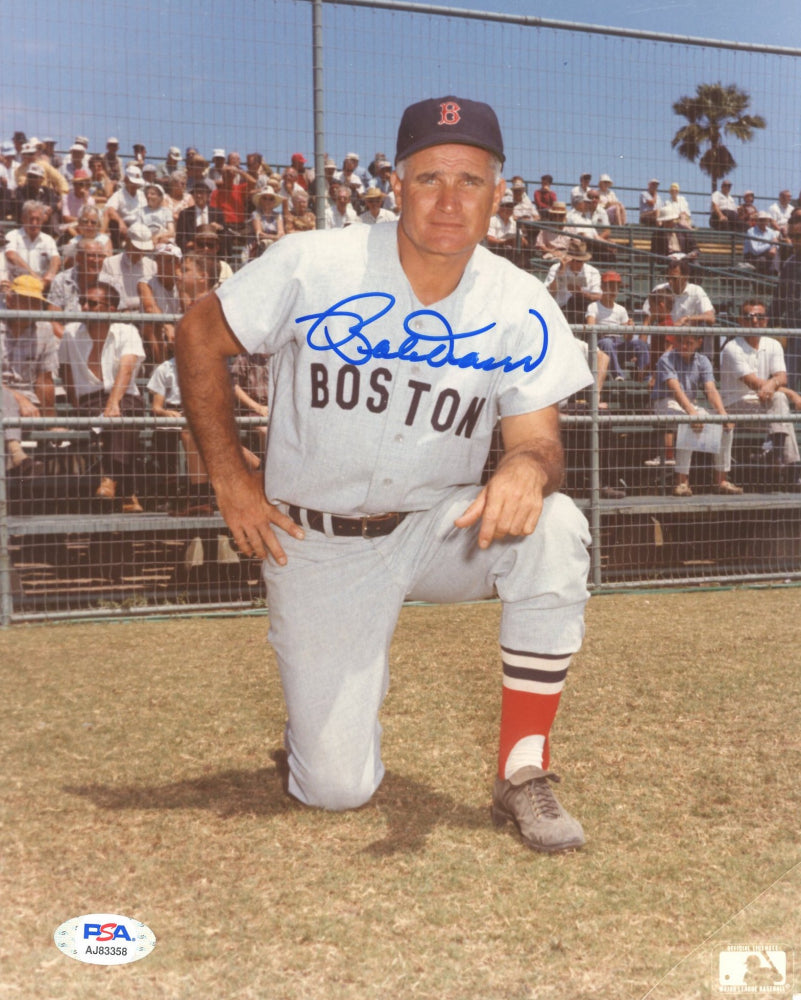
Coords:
pixel 731 20
pixel 239 76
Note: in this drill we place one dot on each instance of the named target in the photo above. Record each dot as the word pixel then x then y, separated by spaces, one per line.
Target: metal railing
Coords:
pixel 619 429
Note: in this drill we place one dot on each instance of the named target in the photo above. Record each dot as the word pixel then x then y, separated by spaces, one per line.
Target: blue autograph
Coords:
pixel 350 343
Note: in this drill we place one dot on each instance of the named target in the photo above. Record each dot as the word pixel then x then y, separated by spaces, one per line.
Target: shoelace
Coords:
pixel 543 799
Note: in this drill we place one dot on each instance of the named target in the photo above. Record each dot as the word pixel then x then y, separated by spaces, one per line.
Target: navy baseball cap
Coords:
pixel 441 120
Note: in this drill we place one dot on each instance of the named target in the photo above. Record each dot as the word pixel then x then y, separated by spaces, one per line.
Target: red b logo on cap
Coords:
pixel 449 113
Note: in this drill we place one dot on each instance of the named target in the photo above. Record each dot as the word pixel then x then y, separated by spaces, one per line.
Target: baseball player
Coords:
pixel 395 350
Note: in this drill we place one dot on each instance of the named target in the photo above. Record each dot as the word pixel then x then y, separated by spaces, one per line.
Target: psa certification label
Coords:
pixel 104 939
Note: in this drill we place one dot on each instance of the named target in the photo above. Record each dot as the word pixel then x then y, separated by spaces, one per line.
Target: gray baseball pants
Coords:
pixel 334 607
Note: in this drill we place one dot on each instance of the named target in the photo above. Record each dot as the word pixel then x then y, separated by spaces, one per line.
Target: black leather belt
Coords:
pixel 349 527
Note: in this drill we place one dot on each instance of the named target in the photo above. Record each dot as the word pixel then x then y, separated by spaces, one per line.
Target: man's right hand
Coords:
pixel 252 518
pixel 26 407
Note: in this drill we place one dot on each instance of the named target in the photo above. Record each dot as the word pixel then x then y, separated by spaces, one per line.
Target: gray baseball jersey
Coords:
pixel 379 403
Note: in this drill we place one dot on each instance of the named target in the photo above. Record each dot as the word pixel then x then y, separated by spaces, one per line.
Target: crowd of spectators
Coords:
pixel 102 232
pixel 688 372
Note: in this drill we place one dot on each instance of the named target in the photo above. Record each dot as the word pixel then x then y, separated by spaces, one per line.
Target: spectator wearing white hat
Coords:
pixel 33 188
pixel 746 212
pixel 170 164
pixel 77 161
pixel 685 217
pixel 33 153
pixel 524 208
pixel 502 232
pixel 124 271
pixel 149 173
pixel 350 175
pixel 123 207
pixel 20 164
pixel 7 181
pixel 215 171
pixel 590 223
pixel 650 203
pixel 156 215
pixel 49 149
pixel 599 216
pixel 608 200
pixel 329 173
pixel 111 160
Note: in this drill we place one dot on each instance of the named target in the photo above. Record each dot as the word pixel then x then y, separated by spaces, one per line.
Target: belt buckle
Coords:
pixel 371 526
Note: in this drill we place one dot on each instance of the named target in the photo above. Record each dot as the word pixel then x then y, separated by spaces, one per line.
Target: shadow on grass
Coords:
pixel 413 810
pixel 227 793
pixel 410 808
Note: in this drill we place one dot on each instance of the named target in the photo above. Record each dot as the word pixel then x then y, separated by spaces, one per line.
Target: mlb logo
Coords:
pixel 745 970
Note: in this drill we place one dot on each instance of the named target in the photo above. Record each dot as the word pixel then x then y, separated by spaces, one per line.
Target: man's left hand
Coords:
pixel 510 503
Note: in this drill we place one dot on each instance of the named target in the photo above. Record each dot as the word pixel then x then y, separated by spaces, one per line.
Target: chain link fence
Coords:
pixel 326 79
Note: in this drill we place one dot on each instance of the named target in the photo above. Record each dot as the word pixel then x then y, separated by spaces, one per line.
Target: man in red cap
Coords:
pixel 395 351
pixel 305 173
pixel 625 349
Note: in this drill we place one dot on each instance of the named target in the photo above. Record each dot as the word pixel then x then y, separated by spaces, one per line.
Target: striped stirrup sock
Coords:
pixel 532 686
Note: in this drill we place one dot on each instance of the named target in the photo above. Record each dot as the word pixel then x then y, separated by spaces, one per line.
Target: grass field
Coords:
pixel 141 778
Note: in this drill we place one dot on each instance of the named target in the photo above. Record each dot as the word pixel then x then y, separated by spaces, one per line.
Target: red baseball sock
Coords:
pixel 532 686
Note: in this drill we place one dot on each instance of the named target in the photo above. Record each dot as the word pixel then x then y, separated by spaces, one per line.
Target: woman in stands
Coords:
pixel 266 223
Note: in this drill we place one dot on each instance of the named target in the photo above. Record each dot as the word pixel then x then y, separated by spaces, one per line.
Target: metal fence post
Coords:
pixel 6 606
pixel 320 193
pixel 595 463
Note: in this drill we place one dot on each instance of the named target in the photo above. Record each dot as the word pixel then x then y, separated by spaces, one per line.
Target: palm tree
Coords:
pixel 713 112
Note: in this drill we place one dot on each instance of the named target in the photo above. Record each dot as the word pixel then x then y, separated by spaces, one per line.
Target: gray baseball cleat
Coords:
pixel 528 800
